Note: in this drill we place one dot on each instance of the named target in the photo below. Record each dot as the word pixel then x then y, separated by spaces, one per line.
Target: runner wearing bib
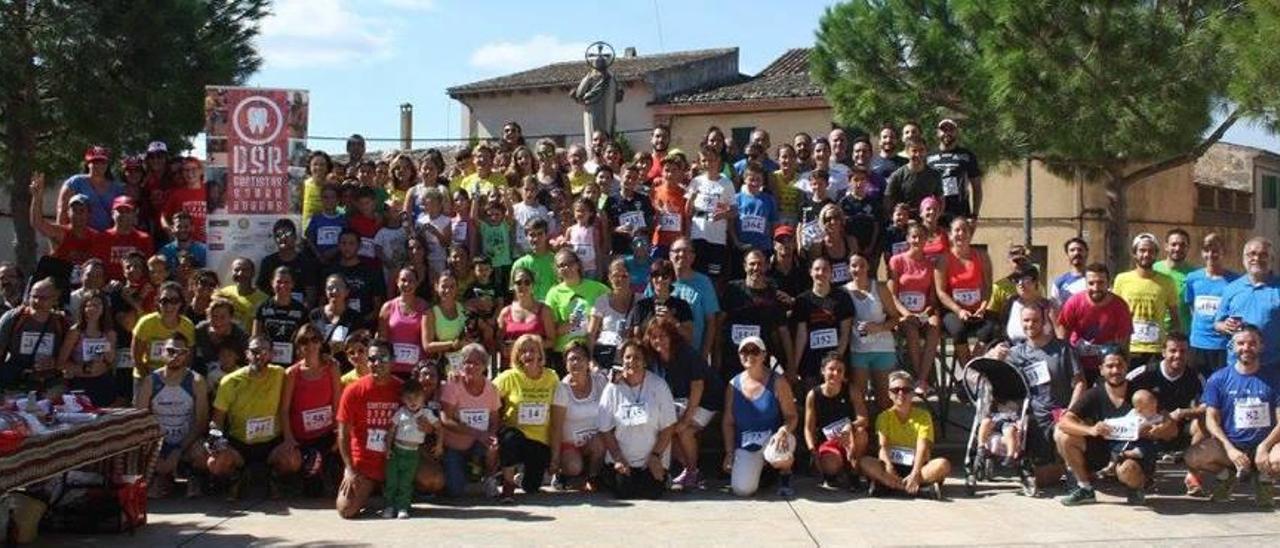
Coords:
pixel 608 325
pixel 88 356
pixel 834 244
pixel 527 391
pixel 310 401
pixel 1151 297
pixel 444 331
pixel 400 323
pixel 364 418
pixel 471 421
pixel 911 281
pixel 905 461
pixel 835 423
pixel 874 350
pixel 1202 294
pixel 178 399
pixel 823 322
pixel 279 318
pixel 751 309
pixel 247 408
pixel 153 329
pixel 759 410
pixel 581 449
pixel 962 278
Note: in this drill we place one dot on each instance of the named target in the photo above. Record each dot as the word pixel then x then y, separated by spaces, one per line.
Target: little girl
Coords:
pixel 463 224
pixel 407 434
pixel 436 228
pixel 585 237
pixel 496 238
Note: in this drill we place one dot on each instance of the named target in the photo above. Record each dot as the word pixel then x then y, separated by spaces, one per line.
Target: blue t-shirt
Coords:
pixel 323 230
pixel 1259 306
pixel 700 293
pixel 740 166
pixel 1066 285
pixel 99 202
pixel 197 250
pixel 638 272
pixel 1202 294
pixel 1239 398
pixel 756 216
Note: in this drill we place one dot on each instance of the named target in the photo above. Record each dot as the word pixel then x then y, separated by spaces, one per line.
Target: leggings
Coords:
pixel 514 448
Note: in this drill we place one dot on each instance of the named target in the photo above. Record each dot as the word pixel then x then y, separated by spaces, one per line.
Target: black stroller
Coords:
pixel 985 381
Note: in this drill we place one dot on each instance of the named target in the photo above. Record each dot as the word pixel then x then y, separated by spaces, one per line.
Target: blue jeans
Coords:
pixel 455 467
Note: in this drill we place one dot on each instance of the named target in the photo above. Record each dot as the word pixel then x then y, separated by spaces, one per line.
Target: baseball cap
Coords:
pixel 131 162
pixel 157 147
pixel 947 122
pixel 79 199
pixel 784 230
pixel 675 154
pixel 123 201
pixel 96 154
pixel 751 341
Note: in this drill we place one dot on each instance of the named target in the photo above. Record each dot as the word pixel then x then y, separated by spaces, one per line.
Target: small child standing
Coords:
pixel 407 434
pixel 585 237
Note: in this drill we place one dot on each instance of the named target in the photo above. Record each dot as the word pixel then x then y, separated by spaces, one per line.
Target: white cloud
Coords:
pixel 303 33
pixel 539 50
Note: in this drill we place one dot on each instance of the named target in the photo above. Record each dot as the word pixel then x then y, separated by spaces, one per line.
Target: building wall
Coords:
pixel 553 112
pixel 1266 220
pixel 687 130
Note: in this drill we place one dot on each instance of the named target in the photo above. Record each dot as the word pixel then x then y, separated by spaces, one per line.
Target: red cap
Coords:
pixel 96 153
pixel 783 230
pixel 124 201
pixel 131 162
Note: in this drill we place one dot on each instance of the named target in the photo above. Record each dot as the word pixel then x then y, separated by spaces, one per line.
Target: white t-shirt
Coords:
pixel 406 424
pixel 437 253
pixel 837 182
pixel 525 213
pixel 580 415
pixel 394 245
pixel 711 196
pixel 635 415
pixel 613 324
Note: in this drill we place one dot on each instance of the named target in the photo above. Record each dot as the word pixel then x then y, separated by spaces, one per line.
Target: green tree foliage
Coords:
pixel 1107 90
pixel 113 72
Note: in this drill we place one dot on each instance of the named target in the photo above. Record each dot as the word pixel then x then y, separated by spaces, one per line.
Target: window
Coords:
pixel 741 136
pixel 1217 206
pixel 1206 197
pixel 1269 191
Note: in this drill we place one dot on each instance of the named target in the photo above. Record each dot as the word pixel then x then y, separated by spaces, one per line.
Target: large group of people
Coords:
pixel 530 314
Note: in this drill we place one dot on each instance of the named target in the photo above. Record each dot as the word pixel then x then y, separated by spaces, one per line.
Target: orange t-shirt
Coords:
pixel 668 202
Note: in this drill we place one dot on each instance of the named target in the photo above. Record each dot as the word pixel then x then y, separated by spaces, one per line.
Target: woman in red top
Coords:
pixel 963 282
pixel 911 283
pixel 525 315
pixel 75 242
pixel 190 197
pixel 307 405
pixel 936 242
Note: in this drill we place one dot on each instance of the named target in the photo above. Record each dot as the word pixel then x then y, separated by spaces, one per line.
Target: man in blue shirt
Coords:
pixel 1071 281
pixel 696 289
pixel 1242 419
pixel 1254 299
pixel 1202 294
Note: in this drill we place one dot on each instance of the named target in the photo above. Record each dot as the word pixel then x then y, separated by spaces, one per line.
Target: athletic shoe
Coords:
pixel 1194 489
pixel 829 483
pixel 873 488
pixel 1136 497
pixel 1078 496
pixel 786 492
pixel 508 494
pixel 935 491
pixel 1264 492
pixel 688 479
pixel 403 514
pixel 1222 491
pixel 559 483
pixel 388 513
pixel 491 486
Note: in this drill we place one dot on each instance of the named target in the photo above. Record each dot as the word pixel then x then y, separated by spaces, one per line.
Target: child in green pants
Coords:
pixel 409 428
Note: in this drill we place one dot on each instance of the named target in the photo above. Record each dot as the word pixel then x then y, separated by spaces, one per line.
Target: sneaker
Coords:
pixel 828 484
pixel 688 479
pixel 786 492
pixel 491 486
pixel 388 513
pixel 403 514
pixel 1194 489
pixel 1078 496
pixel 559 483
pixel 194 490
pixel 873 488
pixel 1264 493
pixel 1222 491
pixel 508 494
pixel 935 491
pixel 1136 497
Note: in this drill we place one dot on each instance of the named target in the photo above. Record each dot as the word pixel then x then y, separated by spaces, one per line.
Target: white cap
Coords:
pixel 752 340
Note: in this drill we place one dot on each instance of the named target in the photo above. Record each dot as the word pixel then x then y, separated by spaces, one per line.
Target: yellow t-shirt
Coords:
pixel 579 182
pixel 246 305
pixel 905 434
pixel 349 377
pixel 526 403
pixel 311 202
pixel 788 196
pixel 252 404
pixel 1149 302
pixel 472 183
pixel 1001 292
pixel 150 330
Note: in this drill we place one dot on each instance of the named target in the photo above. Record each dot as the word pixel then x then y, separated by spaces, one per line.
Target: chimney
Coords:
pixel 406 126
pixel 629 52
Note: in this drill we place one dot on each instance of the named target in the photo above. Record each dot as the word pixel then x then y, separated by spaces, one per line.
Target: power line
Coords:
pixel 454 139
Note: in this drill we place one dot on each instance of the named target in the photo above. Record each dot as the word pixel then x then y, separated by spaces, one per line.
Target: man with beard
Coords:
pixel 179 400
pixel 913 182
pixel 364 419
pixel 1177 391
pixel 862 162
pixel 1176 266
pixel 1254 299
pixel 751 309
pixel 1071 281
pixel 1095 321
pixel 961 176
pixel 304 266
pixel 367 286
pixel 659 140
pixel 803 143
pixel 1151 297
pixel 183 224
pixel 887 160
pixel 757 151
pixel 247 409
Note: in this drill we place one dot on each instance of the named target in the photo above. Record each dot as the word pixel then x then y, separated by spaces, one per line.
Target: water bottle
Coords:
pixel 216 440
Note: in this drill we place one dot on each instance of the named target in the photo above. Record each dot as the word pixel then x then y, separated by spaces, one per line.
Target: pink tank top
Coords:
pixel 532 325
pixel 915 280
pixel 405 335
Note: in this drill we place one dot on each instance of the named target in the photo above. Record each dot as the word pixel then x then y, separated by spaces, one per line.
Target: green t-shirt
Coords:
pixel 544 272
pixel 572 306
pixel 1179 275
pixel 495 241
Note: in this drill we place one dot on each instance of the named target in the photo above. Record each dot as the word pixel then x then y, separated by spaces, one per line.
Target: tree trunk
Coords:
pixel 1117 222
pixel 20 137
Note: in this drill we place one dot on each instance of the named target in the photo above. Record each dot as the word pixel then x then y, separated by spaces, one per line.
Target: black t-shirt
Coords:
pixel 305 268
pixel 831 411
pixel 822 316
pixel 207 345
pixel 336 331
pixel 616 207
pixel 479 290
pixel 750 312
pixel 281 323
pixel 793 282
pixel 645 309
pixel 862 216
pixel 1095 406
pixel 907 186
pixel 809 211
pixel 884 167
pixel 894 240
pixel 1177 393
pixel 685 367
pixel 958 167
pixel 364 282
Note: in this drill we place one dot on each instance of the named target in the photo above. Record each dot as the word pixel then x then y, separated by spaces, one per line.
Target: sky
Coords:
pixel 360 59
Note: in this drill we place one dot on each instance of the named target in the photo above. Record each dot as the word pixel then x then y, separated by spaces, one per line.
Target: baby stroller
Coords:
pixel 985 381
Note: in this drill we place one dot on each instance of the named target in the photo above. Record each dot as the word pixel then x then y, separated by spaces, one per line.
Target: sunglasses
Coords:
pixel 900 389
pixel 750 351
pixel 257 350
pixel 174 351
pixel 170 300
pixel 378 358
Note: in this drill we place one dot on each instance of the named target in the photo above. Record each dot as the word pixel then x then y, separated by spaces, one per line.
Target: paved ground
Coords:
pixel 995 515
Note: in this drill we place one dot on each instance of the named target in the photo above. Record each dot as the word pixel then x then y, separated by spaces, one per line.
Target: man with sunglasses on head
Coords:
pixel 247 409
pixel 364 418
pixel 178 398
pixel 290 253
pixel 30 337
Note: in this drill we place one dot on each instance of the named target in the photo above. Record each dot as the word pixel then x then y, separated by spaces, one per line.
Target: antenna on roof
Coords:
pixel 657 18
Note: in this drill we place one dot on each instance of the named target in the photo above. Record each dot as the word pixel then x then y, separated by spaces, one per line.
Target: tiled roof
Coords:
pixel 785 78
pixel 569 73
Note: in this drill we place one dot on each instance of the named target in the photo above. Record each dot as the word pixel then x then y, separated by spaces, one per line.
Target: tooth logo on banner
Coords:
pixel 257 120
pixel 257 117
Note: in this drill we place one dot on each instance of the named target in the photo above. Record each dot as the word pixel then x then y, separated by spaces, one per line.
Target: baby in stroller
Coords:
pixel 999 432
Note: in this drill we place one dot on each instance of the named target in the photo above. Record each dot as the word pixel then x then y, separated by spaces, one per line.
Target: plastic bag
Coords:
pixel 780 449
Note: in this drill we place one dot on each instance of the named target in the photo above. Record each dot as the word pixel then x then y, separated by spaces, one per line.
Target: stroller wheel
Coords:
pixel 971 484
pixel 989 468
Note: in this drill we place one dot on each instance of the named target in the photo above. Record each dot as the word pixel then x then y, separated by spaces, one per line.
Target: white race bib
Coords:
pixel 755 439
pixel 376 440
pixel 669 222
pixel 124 360
pixel 1038 373
pixel 811 231
pixel 752 223
pixel 836 429
pixel 354 305
pixel 586 253
pixel 367 248
pixel 317 419
pixel 406 352
pixel 632 218
pixel 477 419
pixel 337 333
pixel 156 351
pixel 260 429
pixel 609 338
pixel 1206 305
pixel 737 332
pixel 902 456
pixel 582 437
pixel 840 272
pixel 823 338
pixel 1145 332
pixel 951 185
pixel 1251 413
pixel 1123 428
pixel 532 414
pixel 633 415
pixel 328 235
pixel 281 352
pixel 913 300
pixel 90 349
pixel 966 297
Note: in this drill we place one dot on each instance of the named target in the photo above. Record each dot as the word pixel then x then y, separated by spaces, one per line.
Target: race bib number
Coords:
pixel 755 439
pixel 1145 332
pixel 476 419
pixel 1038 373
pixel 836 429
pixel 752 223
pixel 455 361
pixel 669 222
pixel 586 253
pixel 707 201
pixel 902 456
pixel 376 440
pixel 951 185
pixel 966 297
pixel 840 273
pixel 632 218
pixel 583 437
pixel 1122 428
pixel 811 231
pixel 354 304
pixel 367 248
pixel 260 429
pixel 823 338
pixel 156 350
pixel 281 352
pixel 1251 413
pixel 92 349
pixel 532 414
pixel 317 419
pixel 913 300
pixel 633 415
pixel 124 360
pixel 737 332
pixel 405 352
pixel 1206 305
pixel 609 338
pixel 328 235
